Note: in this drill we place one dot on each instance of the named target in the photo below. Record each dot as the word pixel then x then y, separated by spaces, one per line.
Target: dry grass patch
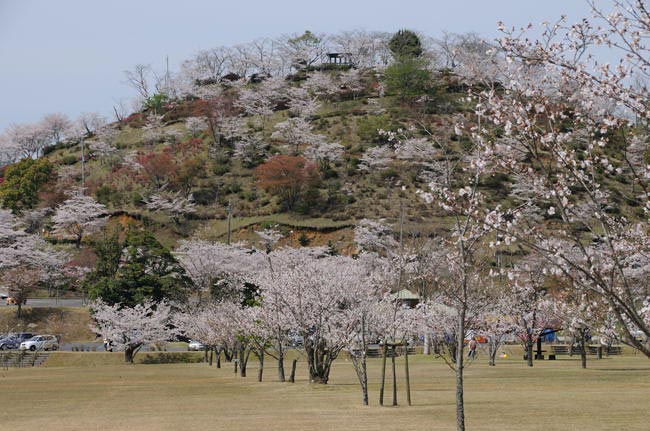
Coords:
pixel 557 395
pixel 70 323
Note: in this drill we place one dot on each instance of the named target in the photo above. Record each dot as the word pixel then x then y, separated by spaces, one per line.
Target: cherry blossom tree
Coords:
pixel 88 123
pixel 210 324
pixel 532 308
pixel 304 50
pixel 581 317
pixel 496 321
pixel 314 292
pixel 131 328
pixel 78 215
pixel 174 204
pixel 195 125
pixel 322 85
pixel 376 158
pixel 25 259
pixel 366 49
pixel 251 149
pixel 142 79
pixel 219 268
pixel 260 100
pixel 301 103
pixel 462 258
pixel 20 282
pixel 351 82
pixel 556 79
pixel 154 129
pixel 104 143
pixel 57 125
pixel 296 132
pixel 28 140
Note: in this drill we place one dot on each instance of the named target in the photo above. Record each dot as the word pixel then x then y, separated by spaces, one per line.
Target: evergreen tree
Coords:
pixel 136 269
pixel 405 44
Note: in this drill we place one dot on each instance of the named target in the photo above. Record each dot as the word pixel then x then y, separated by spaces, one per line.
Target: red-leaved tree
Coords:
pixel 286 177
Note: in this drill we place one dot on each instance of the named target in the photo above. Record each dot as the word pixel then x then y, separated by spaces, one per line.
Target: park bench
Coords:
pixel 375 351
pixel 561 350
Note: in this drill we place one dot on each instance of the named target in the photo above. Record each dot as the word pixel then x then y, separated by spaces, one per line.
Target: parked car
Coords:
pixel 12 341
pixel 12 301
pixel 195 345
pixel 40 342
pixel 3 295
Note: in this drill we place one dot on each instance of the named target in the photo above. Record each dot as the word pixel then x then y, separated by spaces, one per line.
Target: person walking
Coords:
pixel 472 349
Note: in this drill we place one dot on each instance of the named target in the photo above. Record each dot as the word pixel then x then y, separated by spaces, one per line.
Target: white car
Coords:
pixel 40 342
pixel 195 345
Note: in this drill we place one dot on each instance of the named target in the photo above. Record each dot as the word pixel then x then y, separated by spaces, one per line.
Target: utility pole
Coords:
pixel 167 75
pixel 83 168
pixel 229 210
pixel 401 242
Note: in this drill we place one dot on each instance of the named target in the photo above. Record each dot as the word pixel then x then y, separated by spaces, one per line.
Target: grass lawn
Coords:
pixel 611 395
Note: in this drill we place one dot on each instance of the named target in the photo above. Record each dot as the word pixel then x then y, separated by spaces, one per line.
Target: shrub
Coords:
pixel 205 196
pixel 156 103
pixel 220 169
pixel 172 358
pixel 106 194
pixel 69 159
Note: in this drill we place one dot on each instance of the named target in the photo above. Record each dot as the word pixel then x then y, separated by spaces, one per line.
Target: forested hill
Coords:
pixel 313 148
pixel 312 139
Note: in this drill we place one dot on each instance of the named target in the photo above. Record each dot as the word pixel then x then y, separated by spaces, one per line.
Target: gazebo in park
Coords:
pixel 342 58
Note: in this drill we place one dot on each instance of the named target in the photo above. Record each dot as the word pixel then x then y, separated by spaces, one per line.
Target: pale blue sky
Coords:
pixel 69 55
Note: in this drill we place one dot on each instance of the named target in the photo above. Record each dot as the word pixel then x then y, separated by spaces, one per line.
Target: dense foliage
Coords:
pixel 22 182
pixel 135 269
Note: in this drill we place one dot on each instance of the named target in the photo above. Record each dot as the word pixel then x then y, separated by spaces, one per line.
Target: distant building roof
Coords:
pixel 407 295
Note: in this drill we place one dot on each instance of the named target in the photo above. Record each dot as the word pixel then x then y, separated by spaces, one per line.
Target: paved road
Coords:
pixel 52 302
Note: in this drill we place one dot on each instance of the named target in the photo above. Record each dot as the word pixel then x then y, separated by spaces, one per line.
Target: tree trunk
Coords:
pixel 392 360
pixel 218 354
pixel 383 374
pixel 427 345
pixel 364 381
pixel 281 366
pixel 360 367
pixel 460 400
pixel 319 362
pixel 129 353
pixel 583 350
pixel 19 309
pixel 529 349
pixel 492 354
pixel 292 377
pixel 211 353
pixel 260 371
pixel 243 361
pixel 407 373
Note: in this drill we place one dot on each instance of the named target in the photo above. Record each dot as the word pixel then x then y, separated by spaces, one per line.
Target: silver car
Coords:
pixel 195 345
pixel 40 342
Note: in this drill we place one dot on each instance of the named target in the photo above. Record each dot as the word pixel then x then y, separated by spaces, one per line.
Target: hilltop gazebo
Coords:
pixel 339 58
